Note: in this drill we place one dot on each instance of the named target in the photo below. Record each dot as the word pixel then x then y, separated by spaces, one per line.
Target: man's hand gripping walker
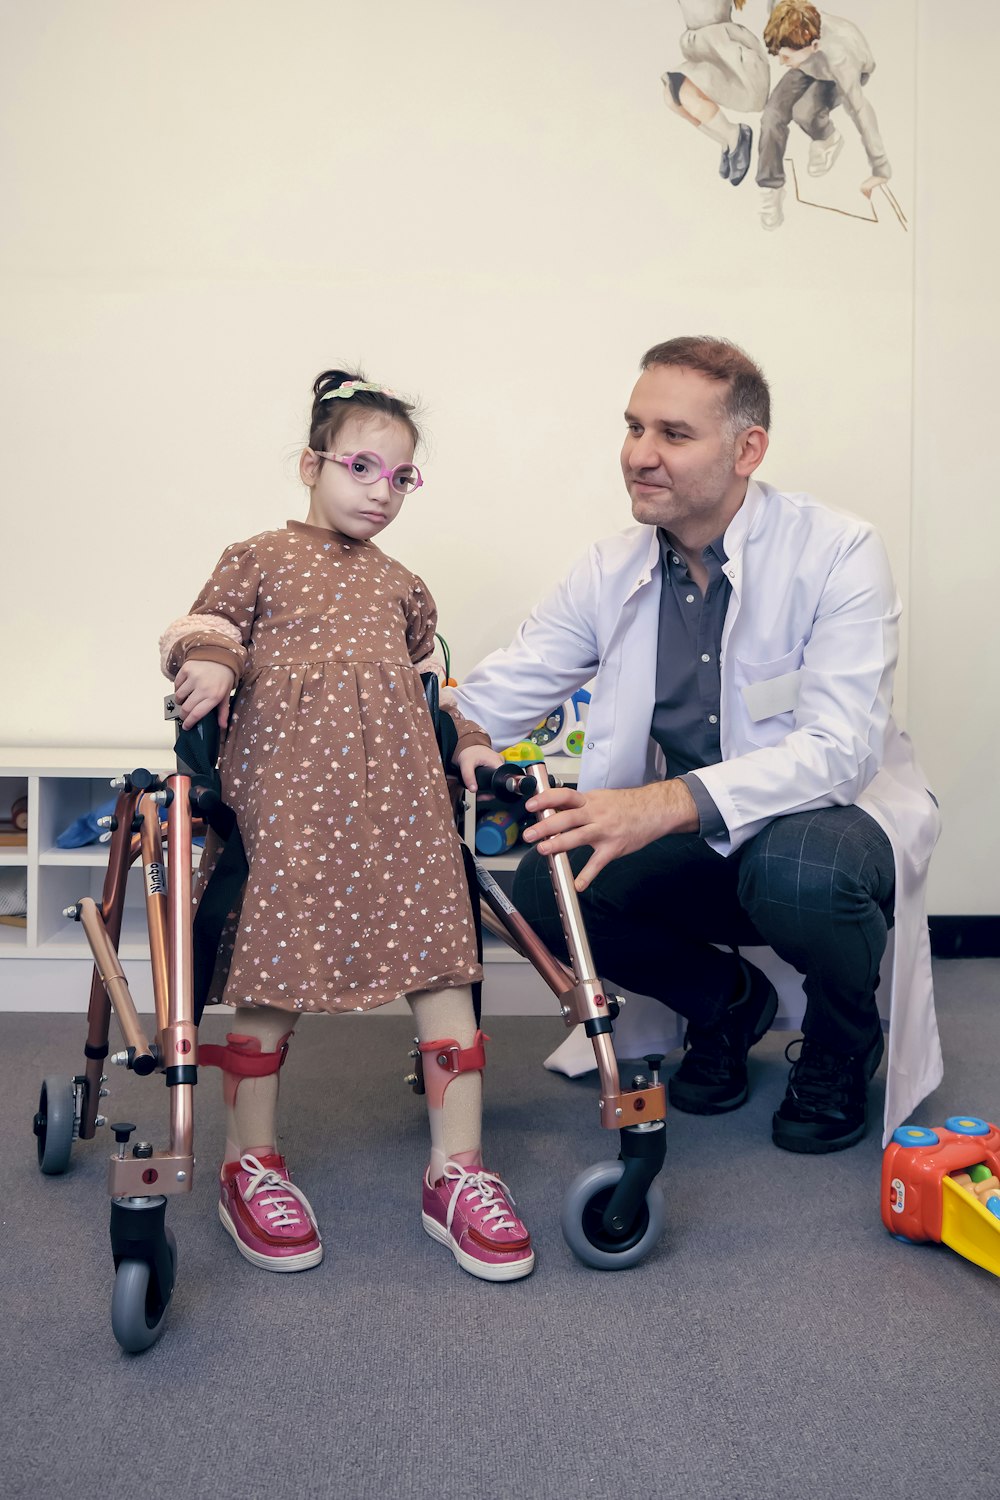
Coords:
pixel 613 1213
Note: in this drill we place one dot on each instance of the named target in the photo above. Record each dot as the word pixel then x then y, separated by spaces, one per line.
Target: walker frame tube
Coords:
pixel 580 992
pixel 120 857
pixel 137 834
pixel 151 847
pixel 638 1113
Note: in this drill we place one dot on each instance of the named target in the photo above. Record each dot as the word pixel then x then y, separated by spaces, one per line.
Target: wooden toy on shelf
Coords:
pixel 14 830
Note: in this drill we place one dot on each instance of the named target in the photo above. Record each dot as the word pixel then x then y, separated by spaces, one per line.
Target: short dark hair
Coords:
pixel 748 399
pixel 329 416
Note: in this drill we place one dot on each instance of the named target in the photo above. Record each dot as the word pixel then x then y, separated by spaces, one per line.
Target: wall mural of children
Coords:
pixel 829 63
pixel 724 65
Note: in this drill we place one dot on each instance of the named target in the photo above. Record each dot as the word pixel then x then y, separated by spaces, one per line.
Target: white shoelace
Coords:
pixel 282 1198
pixel 495 1198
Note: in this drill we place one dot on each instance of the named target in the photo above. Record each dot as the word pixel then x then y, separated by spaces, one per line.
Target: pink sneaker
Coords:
pixel 271 1221
pixel 472 1212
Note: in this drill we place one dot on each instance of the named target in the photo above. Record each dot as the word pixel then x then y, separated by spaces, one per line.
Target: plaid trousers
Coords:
pixel 817 887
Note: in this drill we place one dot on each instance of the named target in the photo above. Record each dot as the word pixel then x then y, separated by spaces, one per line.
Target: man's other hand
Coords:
pixel 612 823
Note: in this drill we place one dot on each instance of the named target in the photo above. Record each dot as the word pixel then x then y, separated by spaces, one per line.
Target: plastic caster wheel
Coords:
pixel 138 1311
pixel 54 1124
pixel 583 1206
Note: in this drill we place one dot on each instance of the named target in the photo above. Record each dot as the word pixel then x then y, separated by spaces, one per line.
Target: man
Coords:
pixel 743 781
pixel 829 63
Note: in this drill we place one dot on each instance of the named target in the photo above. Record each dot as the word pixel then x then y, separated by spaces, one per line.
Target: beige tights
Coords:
pixel 455 1127
pixel 251 1103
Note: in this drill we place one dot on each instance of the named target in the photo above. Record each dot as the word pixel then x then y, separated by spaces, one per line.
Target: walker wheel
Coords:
pixel 54 1124
pixel 138 1306
pixel 583 1207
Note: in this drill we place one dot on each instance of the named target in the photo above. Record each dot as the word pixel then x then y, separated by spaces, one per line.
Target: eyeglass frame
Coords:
pixel 348 458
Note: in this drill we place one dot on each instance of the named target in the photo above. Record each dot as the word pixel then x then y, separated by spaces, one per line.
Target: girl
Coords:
pixel 724 64
pixel 356 891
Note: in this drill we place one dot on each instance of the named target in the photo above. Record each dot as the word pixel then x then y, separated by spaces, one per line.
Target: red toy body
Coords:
pixel 921 1200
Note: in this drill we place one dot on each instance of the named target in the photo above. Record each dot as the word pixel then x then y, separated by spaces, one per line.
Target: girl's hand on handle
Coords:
pixel 201 686
pixel 472 756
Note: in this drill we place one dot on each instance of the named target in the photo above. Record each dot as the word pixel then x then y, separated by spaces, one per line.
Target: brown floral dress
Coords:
pixel 356 892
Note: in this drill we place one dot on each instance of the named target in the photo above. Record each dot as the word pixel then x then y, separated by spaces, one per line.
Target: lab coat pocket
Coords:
pixel 771 687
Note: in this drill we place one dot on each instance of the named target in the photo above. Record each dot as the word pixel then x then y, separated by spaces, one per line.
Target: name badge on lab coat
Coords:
pixel 775 695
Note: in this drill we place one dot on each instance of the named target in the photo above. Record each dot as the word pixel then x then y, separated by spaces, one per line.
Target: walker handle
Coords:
pixel 197 748
pixel 506 783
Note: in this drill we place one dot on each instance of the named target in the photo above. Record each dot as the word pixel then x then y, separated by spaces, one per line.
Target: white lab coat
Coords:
pixel 809 648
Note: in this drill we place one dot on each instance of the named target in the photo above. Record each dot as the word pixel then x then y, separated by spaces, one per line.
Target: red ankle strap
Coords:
pixel 242 1056
pixel 455 1059
pixel 444 1060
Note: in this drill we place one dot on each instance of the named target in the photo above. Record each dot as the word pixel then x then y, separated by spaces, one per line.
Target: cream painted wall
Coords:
pixel 954 632
pixel 491 208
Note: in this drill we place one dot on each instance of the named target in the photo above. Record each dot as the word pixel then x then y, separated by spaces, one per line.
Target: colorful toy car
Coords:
pixel 943 1184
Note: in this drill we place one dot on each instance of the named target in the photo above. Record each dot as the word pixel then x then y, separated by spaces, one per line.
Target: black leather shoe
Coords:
pixel 739 156
pixel 825 1107
pixel 712 1077
pixel 724 163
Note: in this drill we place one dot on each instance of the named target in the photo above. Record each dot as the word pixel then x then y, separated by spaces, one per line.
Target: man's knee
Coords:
pixel 830 862
pixel 775 879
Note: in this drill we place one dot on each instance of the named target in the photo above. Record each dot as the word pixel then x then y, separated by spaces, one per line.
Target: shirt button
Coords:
pixel 713 718
pixel 705 656
pixel 675 558
pixel 590 744
pixel 690 598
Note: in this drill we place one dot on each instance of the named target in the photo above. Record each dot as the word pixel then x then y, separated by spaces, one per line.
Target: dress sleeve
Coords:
pixel 220 623
pixel 421 623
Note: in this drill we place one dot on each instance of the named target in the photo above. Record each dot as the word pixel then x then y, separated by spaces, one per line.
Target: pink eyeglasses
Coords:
pixel 368 468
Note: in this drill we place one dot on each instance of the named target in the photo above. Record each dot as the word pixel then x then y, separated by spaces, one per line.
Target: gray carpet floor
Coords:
pixel 777 1343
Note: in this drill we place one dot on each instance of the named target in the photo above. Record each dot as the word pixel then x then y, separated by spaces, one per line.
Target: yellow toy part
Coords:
pixel 969 1228
pixel 524 750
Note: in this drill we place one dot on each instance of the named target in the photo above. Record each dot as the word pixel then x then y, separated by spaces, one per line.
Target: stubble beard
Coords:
pixel 670 506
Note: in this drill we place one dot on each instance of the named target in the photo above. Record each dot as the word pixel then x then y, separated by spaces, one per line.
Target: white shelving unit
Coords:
pixel 46 965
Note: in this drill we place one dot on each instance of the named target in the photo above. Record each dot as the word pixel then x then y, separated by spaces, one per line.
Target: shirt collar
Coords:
pixel 739 527
pixel 714 555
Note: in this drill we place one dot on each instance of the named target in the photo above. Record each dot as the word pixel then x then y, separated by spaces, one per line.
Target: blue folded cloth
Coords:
pixel 84 830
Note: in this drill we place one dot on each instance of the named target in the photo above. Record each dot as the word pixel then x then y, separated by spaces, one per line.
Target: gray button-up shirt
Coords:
pixel 686 714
